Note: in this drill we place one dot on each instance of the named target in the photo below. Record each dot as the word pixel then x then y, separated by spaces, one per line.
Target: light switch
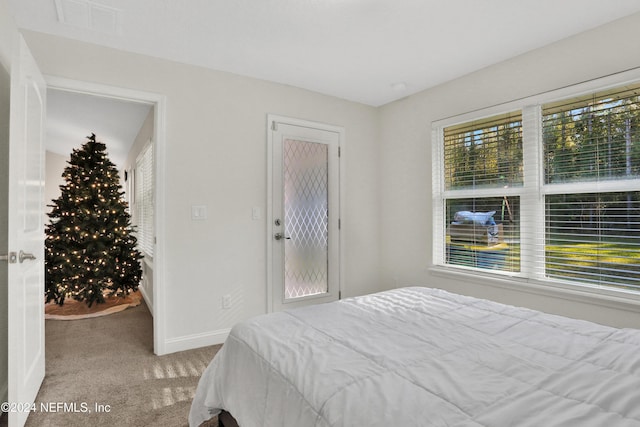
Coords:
pixel 198 212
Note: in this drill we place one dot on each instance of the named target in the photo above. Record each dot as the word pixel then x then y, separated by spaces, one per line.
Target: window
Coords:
pixel 482 177
pixel 594 238
pixel 593 138
pixel 592 142
pixel 143 200
pixel 484 153
pixel 546 192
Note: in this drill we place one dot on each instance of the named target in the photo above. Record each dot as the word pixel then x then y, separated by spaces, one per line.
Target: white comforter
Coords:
pixel 422 357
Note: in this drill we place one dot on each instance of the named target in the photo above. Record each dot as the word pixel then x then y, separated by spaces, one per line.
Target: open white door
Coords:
pixel 26 232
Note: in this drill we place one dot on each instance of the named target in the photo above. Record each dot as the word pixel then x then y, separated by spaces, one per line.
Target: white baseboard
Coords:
pixel 147 300
pixel 189 342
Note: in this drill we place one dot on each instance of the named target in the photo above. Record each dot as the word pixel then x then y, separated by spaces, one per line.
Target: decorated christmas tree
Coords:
pixel 90 249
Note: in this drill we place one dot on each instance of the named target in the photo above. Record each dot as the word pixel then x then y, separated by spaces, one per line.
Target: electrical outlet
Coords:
pixel 226 301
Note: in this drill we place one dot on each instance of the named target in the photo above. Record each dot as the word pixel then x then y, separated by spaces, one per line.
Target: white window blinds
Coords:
pixel 561 182
pixel 594 238
pixel 484 153
pixel 592 170
pixel 144 200
pixel 593 138
pixel 482 170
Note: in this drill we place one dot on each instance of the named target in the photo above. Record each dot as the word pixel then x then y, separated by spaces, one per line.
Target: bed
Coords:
pixel 422 357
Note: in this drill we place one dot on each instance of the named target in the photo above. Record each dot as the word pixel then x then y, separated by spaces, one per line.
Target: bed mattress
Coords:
pixel 422 357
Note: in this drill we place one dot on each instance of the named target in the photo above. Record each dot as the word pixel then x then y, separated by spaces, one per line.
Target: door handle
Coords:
pixel 22 256
pixel 280 236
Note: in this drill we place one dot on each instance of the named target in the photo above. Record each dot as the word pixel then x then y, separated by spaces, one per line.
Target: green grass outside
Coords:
pixel 590 260
pixel 586 262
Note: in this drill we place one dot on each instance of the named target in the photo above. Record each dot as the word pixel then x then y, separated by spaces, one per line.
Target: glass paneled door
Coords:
pixel 304 229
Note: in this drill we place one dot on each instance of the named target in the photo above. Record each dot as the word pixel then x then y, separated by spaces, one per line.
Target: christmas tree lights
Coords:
pixel 90 250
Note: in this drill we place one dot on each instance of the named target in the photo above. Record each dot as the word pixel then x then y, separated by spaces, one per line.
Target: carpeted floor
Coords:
pixel 106 366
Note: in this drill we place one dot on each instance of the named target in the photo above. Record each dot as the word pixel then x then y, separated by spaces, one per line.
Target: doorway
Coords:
pixel 303 213
pixel 151 133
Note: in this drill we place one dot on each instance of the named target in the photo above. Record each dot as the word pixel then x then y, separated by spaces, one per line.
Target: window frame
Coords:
pixel 532 193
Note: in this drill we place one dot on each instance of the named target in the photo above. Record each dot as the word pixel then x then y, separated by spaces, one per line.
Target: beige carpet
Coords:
pixel 109 361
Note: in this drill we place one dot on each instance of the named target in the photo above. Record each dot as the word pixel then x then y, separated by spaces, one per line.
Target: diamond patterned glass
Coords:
pixel 305 169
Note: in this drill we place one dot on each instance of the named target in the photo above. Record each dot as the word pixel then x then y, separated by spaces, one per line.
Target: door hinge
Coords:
pixel 274 126
pixel 339 151
pixel 339 294
pixel 11 257
pixel 339 224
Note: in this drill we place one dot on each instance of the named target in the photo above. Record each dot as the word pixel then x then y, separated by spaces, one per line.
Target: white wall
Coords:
pixel 8 35
pixel 54 167
pixel 405 134
pixel 142 138
pixel 216 156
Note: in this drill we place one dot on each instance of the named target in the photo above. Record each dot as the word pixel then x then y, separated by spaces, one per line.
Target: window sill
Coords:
pixel 610 298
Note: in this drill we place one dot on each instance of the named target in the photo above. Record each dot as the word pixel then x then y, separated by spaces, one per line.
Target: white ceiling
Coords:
pixel 353 49
pixel 367 51
pixel 71 117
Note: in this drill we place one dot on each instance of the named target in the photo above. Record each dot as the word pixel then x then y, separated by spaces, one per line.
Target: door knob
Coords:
pixel 280 236
pixel 22 256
